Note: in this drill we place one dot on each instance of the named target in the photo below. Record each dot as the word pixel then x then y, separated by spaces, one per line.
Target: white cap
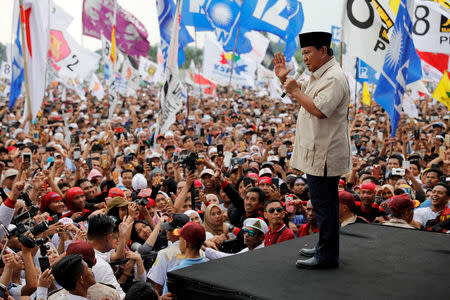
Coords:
pixel 139 182
pixel 207 171
pixel 257 224
pixel 273 158
pixel 212 150
pixel 265 171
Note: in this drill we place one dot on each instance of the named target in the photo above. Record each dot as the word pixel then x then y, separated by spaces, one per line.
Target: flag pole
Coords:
pixel 27 89
pixel 232 58
pixel 113 58
pixel 340 53
pixel 198 69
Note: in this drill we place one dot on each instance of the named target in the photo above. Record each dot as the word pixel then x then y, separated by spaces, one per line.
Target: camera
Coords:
pixel 189 161
pixel 26 215
pixel 142 201
pixel 398 171
pixel 237 161
pixel 28 241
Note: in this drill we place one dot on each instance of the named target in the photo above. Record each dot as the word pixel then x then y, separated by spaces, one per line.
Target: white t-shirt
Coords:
pixel 166 260
pixel 422 215
pixel 103 273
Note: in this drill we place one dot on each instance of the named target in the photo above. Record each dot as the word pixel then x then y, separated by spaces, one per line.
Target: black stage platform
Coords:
pixel 377 262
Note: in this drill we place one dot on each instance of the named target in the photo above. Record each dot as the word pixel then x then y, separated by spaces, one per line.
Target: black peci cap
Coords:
pixel 316 39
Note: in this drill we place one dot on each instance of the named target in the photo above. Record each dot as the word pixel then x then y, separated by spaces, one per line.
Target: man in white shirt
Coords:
pixel 100 231
pixel 170 257
pixel 439 200
pixel 73 274
pixel 254 232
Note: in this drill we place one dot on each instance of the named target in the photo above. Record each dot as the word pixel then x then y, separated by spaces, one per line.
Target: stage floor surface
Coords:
pixel 376 262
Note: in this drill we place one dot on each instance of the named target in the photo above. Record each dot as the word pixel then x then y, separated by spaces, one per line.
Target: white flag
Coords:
pixel 174 93
pixel 150 71
pixel 96 87
pixel 5 72
pixel 366 29
pixel 217 64
pixel 431 28
pixel 4 89
pixel 409 107
pixel 36 51
pixel 130 73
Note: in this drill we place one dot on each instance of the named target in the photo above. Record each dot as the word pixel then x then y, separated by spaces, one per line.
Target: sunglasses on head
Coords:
pixel 249 232
pixel 272 210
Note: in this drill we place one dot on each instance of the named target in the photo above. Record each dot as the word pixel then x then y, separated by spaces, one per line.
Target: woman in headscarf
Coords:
pixel 53 204
pixel 195 217
pixel 75 202
pixel 214 221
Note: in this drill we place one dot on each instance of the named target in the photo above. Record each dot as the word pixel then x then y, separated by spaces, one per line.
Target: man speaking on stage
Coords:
pixel 322 141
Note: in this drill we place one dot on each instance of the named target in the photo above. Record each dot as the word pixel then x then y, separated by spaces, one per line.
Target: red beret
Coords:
pixel 401 203
pixel 346 198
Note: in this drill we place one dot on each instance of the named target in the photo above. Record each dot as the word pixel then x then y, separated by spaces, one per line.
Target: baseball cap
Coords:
pixel 401 203
pixel 117 202
pixel 207 171
pixel 257 224
pixel 116 192
pixel 10 173
pixel 265 171
pixel 83 248
pixel 94 173
pixel 193 233
pixel 346 198
pixel 177 220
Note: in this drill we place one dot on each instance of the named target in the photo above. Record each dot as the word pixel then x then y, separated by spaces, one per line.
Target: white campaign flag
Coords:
pixel 259 46
pixel 5 72
pixel 106 58
pixel 36 50
pixel 264 74
pixel 150 71
pixel 4 89
pixel 366 29
pixel 130 73
pixel 96 87
pixel 431 27
pixel 409 107
pixel 217 64
pixel 174 93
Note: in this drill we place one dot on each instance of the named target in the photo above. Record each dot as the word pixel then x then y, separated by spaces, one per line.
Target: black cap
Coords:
pixel 176 221
pixel 316 39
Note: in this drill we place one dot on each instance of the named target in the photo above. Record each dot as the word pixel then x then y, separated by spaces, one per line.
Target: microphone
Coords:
pixel 297 75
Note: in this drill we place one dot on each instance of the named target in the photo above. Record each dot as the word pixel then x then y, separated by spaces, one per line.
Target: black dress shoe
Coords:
pixel 313 263
pixel 308 252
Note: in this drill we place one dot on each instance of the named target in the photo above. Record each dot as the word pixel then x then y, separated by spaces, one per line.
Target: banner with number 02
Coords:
pixel 431 29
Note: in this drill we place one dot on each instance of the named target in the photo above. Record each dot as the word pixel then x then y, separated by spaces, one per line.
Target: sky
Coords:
pixel 318 17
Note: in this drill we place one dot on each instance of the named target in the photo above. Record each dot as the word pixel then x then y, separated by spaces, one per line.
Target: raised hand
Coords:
pixel 279 66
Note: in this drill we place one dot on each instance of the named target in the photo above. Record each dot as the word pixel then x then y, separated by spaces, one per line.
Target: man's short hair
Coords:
pixel 141 290
pixel 396 156
pixel 445 186
pixel 271 201
pixel 81 181
pixel 99 226
pixel 330 51
pixel 70 264
pixel 260 192
pixel 125 171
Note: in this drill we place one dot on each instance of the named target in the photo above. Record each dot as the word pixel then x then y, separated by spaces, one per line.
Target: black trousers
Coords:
pixel 325 201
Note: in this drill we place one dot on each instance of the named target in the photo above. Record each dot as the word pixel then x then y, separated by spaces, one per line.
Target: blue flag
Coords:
pixel 283 18
pixel 401 67
pixel 366 73
pixel 166 13
pixel 220 16
pixel 18 73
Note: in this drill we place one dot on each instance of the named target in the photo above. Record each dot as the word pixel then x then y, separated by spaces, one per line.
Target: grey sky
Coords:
pixel 319 15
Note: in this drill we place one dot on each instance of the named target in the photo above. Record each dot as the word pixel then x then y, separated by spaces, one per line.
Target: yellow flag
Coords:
pixel 442 91
pixel 366 95
pixel 113 44
pixel 445 3
pixel 394 4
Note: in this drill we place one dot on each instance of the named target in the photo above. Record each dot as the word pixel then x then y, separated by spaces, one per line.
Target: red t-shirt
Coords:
pixel 304 230
pixel 286 235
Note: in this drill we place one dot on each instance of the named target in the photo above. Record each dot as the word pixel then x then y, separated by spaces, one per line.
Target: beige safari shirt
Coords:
pixel 320 142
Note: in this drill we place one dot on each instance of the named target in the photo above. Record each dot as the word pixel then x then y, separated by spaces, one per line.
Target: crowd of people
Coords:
pixel 117 205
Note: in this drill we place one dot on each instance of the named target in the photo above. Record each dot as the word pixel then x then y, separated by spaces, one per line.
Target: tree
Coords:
pixel 191 53
pixel 2 52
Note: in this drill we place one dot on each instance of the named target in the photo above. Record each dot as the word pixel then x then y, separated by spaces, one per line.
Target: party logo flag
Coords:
pixel 366 95
pixel 442 92
pixel 17 69
pixel 401 67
